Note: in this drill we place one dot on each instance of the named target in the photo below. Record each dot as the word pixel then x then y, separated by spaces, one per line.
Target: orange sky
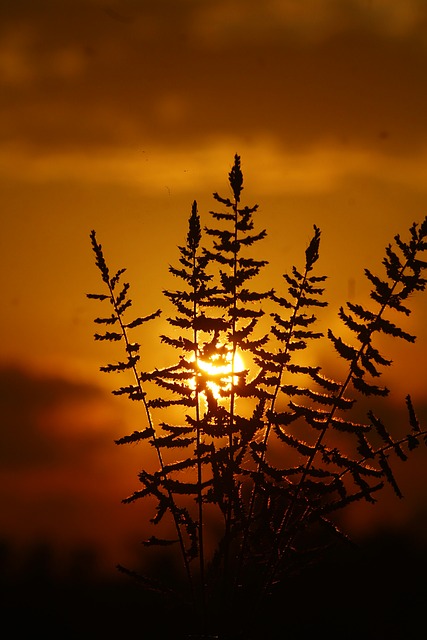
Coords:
pixel 116 116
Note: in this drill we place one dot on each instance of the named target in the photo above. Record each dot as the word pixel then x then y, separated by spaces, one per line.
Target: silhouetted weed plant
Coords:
pixel 250 471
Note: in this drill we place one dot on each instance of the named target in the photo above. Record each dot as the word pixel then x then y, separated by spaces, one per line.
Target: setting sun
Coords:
pixel 221 367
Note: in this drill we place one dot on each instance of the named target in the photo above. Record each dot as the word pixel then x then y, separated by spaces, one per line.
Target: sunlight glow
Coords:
pixel 221 367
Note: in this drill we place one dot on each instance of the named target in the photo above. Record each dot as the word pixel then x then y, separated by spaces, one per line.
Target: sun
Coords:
pixel 221 368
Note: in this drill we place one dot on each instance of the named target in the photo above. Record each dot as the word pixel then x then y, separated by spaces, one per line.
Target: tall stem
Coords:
pixel 268 430
pixel 198 448
pixel 142 395
pixel 281 531
pixel 230 472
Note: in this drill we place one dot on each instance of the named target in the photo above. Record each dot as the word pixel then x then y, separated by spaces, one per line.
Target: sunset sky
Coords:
pixel 115 116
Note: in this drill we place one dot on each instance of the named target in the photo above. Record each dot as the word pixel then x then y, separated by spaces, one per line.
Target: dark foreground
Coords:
pixel 377 592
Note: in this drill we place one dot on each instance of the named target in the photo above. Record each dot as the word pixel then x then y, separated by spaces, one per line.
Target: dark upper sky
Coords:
pixel 79 75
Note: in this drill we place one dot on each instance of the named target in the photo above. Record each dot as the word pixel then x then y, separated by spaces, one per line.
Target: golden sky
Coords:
pixel 116 116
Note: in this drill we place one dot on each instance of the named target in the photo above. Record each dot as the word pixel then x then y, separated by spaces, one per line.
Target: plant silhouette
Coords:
pixel 254 461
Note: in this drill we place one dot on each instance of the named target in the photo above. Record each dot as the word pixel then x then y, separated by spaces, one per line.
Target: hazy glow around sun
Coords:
pixel 217 367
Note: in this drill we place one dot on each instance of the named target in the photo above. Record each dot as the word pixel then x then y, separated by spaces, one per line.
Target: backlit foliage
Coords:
pixel 251 473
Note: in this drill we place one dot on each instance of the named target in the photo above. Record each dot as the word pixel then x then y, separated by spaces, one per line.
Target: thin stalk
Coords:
pixel 142 395
pixel 230 473
pixel 274 564
pixel 199 461
pixel 384 449
pixel 268 428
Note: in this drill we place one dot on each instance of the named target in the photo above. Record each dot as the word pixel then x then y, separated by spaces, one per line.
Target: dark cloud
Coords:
pixel 87 74
pixel 27 402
